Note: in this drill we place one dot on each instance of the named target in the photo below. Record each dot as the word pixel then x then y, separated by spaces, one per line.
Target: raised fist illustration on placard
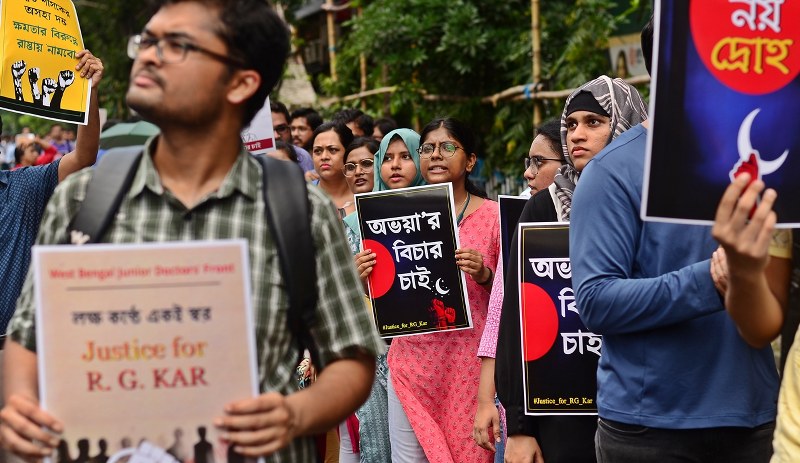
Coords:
pixel 17 69
pixel 48 89
pixel 65 79
pixel 33 78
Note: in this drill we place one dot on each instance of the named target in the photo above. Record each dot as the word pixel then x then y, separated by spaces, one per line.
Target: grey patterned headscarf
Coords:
pixel 623 102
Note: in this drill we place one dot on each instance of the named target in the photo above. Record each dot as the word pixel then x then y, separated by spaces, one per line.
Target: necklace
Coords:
pixel 343 210
pixel 464 206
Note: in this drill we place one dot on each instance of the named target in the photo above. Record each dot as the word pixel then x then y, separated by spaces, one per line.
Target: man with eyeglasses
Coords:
pixel 202 69
pixel 280 125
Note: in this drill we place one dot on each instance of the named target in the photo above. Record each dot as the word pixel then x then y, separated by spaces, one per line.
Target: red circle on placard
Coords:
pixel 383 273
pixel 541 321
pixel 745 51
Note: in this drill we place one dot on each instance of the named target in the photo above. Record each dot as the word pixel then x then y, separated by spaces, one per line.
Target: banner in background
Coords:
pixel 259 137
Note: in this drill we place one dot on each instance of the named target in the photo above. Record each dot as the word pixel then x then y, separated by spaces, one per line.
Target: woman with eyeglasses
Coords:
pixel 434 377
pixel 327 151
pixel 359 173
pixel 399 167
pixel 541 164
pixel 544 157
pixel 359 160
pixel 593 115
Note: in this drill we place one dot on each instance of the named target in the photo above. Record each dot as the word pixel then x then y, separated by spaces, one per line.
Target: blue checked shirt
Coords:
pixel 23 196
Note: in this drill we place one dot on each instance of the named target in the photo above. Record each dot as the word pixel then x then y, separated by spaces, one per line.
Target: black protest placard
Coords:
pixel 416 286
pixel 510 211
pixel 559 355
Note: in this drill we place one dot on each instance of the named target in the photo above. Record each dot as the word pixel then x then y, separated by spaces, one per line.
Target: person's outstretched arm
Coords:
pixel 87 142
pixel 606 235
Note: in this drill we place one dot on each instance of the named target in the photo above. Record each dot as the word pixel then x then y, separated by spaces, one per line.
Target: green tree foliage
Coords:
pixel 463 50
pixel 106 26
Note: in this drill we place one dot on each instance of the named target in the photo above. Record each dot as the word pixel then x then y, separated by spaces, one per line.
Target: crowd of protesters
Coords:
pixel 686 312
pixel 30 149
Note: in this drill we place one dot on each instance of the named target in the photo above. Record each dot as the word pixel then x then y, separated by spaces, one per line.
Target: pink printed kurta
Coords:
pixel 436 375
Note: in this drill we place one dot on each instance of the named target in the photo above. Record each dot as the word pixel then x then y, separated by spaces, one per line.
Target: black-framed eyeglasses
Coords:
pixel 173 50
pixel 366 165
pixel 537 162
pixel 281 128
pixel 446 148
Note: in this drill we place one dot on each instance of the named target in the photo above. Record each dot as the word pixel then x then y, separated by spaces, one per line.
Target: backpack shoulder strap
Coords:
pixel 112 177
pixel 288 215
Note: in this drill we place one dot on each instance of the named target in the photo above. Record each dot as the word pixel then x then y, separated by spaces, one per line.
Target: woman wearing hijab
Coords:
pixel 593 115
pixel 397 161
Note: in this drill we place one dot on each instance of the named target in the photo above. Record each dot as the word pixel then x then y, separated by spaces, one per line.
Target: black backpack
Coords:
pixel 288 218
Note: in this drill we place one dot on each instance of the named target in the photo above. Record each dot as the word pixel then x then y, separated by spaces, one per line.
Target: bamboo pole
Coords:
pixel 536 43
pixel 331 38
pixel 516 93
pixel 387 98
pixel 362 61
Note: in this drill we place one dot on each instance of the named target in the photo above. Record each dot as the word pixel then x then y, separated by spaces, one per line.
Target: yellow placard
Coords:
pixel 40 40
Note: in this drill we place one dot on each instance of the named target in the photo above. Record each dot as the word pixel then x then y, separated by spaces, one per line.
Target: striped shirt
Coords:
pixel 150 213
